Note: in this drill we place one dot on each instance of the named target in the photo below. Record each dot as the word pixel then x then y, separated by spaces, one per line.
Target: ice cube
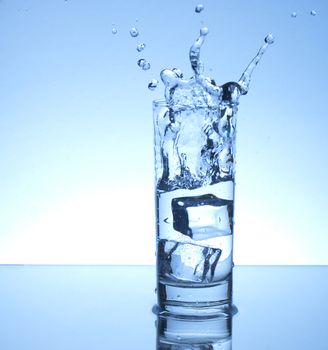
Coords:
pixel 187 262
pixel 202 217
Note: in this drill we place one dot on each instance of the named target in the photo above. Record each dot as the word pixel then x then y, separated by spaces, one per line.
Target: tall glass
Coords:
pixel 194 167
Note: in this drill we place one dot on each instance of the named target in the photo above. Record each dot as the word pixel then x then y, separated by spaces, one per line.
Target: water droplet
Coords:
pixel 114 30
pixel 199 8
pixel 146 66
pixel 134 32
pixel 141 47
pixel 141 62
pixel 269 39
pixel 153 84
pixel 204 31
pixel 294 14
pixel 313 13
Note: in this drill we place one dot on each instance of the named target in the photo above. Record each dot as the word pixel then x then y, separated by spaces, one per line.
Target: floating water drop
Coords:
pixel 269 39
pixel 114 30
pixel 141 47
pixel 199 8
pixel 146 66
pixel 141 62
pixel 153 84
pixel 294 14
pixel 204 31
pixel 134 32
pixel 313 13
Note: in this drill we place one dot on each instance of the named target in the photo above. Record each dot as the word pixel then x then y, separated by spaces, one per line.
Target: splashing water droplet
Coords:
pixel 134 32
pixel 153 84
pixel 146 66
pixel 141 47
pixel 294 14
pixel 141 62
pixel 199 8
pixel 204 31
pixel 313 12
pixel 114 30
pixel 269 39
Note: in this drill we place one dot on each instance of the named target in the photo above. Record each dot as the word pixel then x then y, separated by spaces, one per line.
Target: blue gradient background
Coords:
pixel 76 138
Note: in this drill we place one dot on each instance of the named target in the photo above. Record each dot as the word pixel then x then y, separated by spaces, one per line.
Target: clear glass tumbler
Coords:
pixel 194 179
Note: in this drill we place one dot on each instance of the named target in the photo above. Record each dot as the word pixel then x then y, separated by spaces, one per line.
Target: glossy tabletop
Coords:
pixel 110 307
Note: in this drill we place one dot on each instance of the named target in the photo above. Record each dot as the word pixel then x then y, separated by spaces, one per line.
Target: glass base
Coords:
pixel 202 301
pixel 175 332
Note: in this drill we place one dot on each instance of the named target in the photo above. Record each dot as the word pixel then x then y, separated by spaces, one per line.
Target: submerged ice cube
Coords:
pixel 202 217
pixel 187 261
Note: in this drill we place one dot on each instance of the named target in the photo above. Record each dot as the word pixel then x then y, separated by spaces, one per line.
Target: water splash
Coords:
pixel 245 79
pixel 134 32
pixel 153 84
pixel 194 53
pixel 199 8
pixel 141 47
pixel 201 91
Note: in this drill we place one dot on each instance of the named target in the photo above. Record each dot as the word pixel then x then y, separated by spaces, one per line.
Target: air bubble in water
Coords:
pixel 294 14
pixel 269 39
pixel 199 8
pixel 153 84
pixel 134 32
pixel 141 47
pixel 313 13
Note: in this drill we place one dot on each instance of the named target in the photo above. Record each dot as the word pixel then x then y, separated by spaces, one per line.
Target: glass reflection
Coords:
pixel 194 333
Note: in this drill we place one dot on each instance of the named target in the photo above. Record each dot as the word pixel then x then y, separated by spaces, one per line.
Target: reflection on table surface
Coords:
pixel 110 307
